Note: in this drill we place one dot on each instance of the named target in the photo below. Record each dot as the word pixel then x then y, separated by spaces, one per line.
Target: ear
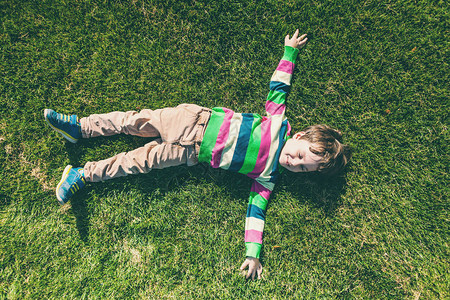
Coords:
pixel 298 135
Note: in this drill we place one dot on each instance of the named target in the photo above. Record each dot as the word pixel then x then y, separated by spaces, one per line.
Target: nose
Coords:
pixel 296 162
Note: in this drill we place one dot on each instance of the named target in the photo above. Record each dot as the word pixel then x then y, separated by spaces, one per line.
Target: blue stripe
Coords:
pixel 245 131
pixel 275 172
pixel 279 87
pixel 256 212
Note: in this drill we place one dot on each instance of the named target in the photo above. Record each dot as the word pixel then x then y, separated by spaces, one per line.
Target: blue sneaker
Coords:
pixel 67 125
pixel 71 182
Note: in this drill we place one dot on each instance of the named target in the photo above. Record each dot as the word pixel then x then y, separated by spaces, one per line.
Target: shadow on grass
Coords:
pixel 81 214
pixel 322 192
pixel 5 200
pixel 75 153
pixel 317 190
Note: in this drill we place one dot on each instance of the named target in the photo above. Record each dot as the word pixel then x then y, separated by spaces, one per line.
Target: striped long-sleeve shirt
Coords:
pixel 251 144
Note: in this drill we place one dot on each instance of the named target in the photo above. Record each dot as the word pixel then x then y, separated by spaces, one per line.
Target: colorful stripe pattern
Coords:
pixel 251 144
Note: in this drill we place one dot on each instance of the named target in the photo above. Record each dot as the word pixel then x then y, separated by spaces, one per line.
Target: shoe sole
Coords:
pixel 65 134
pixel 63 178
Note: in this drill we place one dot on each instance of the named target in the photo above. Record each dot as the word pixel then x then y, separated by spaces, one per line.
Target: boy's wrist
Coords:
pixel 252 249
pixel 290 53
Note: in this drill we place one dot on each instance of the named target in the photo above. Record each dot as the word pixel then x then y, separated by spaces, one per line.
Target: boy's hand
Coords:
pixel 295 41
pixel 254 267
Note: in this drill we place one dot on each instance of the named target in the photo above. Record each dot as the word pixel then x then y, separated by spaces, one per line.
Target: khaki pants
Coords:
pixel 179 132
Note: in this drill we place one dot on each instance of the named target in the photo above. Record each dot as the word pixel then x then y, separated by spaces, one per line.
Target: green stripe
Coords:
pixel 286 138
pixel 253 147
pixel 290 54
pixel 276 97
pixel 253 249
pixel 258 200
pixel 211 134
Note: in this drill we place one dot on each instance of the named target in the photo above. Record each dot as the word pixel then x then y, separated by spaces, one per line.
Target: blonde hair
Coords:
pixel 327 143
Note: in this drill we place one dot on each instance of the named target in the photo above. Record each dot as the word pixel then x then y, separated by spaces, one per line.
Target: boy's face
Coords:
pixel 296 156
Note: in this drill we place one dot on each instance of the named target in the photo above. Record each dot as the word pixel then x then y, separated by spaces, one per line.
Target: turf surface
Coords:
pixel 376 70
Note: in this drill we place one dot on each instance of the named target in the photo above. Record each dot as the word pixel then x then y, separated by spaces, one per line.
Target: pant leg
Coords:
pixel 181 130
pixel 171 123
pixel 154 155
pixel 131 122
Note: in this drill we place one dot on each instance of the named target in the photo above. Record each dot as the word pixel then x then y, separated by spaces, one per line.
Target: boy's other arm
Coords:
pixel 254 227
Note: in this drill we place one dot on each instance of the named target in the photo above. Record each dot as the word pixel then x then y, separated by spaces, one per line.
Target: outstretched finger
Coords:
pixel 295 34
pixel 260 269
pixel 249 273
pixel 303 41
pixel 302 37
pixel 244 265
pixel 286 38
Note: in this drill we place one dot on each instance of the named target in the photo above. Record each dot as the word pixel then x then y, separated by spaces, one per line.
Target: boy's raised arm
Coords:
pixel 280 82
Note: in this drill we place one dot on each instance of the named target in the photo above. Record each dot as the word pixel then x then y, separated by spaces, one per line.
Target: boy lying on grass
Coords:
pixel 259 147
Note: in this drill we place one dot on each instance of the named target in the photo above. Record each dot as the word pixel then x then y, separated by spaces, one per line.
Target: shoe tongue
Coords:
pixel 81 171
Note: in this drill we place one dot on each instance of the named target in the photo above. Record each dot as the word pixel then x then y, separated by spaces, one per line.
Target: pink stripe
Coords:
pixel 286 66
pixel 288 133
pixel 253 236
pixel 274 108
pixel 221 138
pixel 261 190
pixel 264 148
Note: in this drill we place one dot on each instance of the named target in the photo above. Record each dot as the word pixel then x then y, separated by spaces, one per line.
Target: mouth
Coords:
pixel 288 163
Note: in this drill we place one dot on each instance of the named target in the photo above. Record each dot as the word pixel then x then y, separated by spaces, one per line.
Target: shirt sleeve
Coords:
pixel 280 83
pixel 256 215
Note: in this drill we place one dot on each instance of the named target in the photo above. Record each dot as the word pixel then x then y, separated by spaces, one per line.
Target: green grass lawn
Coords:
pixel 376 70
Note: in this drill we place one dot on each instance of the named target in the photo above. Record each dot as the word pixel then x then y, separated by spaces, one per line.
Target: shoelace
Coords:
pixel 63 117
pixel 74 188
